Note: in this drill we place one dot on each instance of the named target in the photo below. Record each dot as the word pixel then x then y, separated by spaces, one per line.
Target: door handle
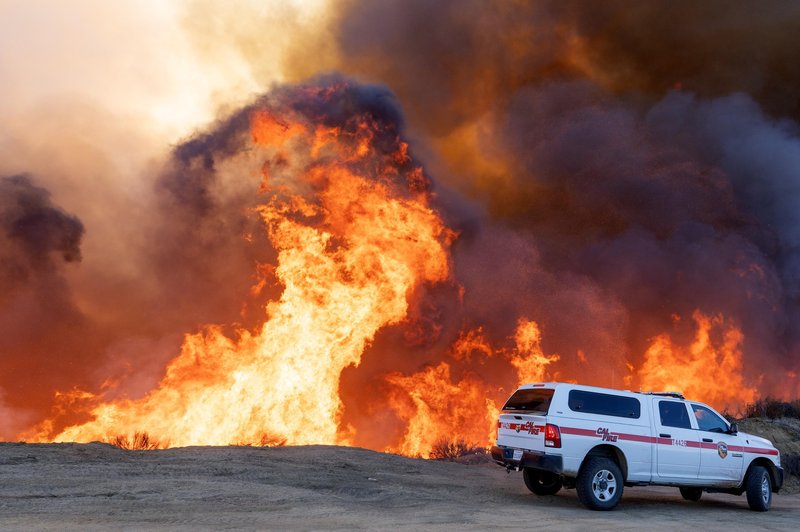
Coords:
pixel 708 440
pixel 664 436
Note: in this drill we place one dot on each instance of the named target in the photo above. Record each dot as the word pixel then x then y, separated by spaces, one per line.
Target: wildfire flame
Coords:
pixel 529 359
pixel 436 406
pixel 349 214
pixel 355 236
pixel 707 370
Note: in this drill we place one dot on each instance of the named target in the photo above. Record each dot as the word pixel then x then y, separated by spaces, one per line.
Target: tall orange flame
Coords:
pixel 708 370
pixel 436 406
pixel 355 236
pixel 529 359
pixel 348 213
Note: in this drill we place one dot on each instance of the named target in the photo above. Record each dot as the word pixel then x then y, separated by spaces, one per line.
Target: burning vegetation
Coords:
pixel 140 441
pixel 318 268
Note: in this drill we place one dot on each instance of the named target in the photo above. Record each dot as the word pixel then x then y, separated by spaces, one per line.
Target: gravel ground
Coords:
pixel 99 487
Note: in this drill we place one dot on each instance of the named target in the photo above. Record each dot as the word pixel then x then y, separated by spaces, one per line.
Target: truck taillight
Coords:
pixel 552 436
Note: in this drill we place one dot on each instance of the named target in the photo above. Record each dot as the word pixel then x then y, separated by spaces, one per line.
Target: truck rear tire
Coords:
pixel 691 494
pixel 600 484
pixel 758 485
pixel 541 482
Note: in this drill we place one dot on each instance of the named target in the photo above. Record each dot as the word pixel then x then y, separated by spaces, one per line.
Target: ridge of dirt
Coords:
pixel 784 433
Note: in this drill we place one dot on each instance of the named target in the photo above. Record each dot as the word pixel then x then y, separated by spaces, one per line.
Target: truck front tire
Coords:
pixel 758 485
pixel 541 482
pixel 600 484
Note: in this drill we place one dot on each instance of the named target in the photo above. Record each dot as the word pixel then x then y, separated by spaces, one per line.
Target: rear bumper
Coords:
pixel 534 460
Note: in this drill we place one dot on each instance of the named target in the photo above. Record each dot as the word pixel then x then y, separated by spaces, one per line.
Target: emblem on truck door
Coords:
pixel 722 449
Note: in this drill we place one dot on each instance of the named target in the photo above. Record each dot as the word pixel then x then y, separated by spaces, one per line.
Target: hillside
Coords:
pixel 785 434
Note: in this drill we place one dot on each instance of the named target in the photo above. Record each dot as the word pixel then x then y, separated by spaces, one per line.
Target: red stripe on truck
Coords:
pixel 661 441
pixel 637 437
pixel 755 450
pixel 529 428
pixel 577 431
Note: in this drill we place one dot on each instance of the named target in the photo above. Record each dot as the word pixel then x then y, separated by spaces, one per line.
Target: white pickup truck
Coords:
pixel 599 440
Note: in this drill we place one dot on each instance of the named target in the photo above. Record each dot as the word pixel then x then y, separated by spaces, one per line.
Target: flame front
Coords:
pixel 355 236
pixel 596 187
pixel 437 406
pixel 689 370
pixel 349 215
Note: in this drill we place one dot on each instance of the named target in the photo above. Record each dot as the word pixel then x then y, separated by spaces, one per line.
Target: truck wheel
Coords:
pixel 541 482
pixel 691 494
pixel 759 489
pixel 599 484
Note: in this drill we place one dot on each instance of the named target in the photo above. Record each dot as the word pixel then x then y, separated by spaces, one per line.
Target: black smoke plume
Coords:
pixel 38 315
pixel 633 163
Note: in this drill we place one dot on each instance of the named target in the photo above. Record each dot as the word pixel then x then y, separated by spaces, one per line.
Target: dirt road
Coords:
pixel 97 486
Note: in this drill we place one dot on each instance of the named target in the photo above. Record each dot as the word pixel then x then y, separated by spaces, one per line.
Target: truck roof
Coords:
pixel 676 395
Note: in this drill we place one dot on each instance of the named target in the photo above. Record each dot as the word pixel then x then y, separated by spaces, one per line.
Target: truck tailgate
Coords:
pixel 521 431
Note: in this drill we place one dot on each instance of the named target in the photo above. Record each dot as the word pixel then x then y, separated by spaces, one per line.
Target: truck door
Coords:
pixel 720 455
pixel 677 443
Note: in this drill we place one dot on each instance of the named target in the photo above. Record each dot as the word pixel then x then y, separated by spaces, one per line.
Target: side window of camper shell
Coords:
pixel 604 404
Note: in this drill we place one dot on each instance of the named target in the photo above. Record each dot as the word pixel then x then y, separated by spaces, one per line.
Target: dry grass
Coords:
pixel 456 450
pixel 265 440
pixel 773 409
pixel 140 441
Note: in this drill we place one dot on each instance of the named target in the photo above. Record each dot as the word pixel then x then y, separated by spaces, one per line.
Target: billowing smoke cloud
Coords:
pixel 450 62
pixel 37 311
pixel 35 229
pixel 609 168
pixel 636 163
pixel 711 48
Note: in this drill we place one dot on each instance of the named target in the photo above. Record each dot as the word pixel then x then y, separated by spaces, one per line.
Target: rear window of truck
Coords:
pixel 604 404
pixel 530 400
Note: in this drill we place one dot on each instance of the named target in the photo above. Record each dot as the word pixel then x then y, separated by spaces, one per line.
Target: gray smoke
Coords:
pixel 649 167
pixel 38 316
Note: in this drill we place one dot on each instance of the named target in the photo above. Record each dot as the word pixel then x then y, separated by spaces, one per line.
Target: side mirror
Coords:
pixel 734 429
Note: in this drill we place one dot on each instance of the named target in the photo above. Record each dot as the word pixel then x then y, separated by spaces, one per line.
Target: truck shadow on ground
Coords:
pixel 634 500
